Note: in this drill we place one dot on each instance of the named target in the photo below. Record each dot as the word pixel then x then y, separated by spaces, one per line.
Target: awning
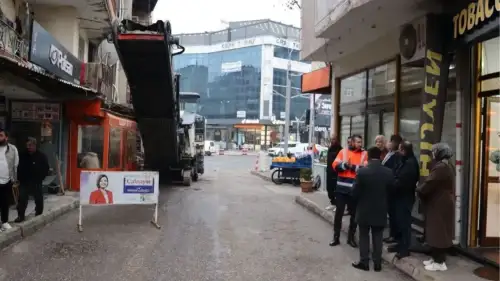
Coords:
pixel 51 86
pixel 318 81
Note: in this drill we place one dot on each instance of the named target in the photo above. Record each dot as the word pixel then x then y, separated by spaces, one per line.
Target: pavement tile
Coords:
pixel 459 268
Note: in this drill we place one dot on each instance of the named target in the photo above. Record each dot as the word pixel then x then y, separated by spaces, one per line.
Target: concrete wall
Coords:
pixel 309 42
pixel 8 9
pixel 62 22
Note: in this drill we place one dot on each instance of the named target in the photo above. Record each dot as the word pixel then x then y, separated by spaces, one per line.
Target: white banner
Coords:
pixel 118 188
pixel 229 67
pixel 241 114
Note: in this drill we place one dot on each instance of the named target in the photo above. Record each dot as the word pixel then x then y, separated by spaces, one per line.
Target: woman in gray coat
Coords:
pixel 437 193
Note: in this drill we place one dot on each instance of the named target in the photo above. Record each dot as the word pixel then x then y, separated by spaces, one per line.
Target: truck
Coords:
pixel 168 133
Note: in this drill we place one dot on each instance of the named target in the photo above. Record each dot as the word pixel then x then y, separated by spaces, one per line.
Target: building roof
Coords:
pixel 239 30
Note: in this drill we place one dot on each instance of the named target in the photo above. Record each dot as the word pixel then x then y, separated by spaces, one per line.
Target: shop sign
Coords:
pixel 474 15
pixel 250 121
pixel 31 111
pixel 48 53
pixel 241 114
pixel 238 44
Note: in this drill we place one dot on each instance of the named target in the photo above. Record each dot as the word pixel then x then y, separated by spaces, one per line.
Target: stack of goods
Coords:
pixel 284 159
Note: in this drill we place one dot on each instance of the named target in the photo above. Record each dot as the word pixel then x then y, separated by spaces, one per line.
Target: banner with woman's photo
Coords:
pixel 118 188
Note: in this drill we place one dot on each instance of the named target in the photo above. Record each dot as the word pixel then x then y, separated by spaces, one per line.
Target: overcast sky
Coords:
pixel 190 16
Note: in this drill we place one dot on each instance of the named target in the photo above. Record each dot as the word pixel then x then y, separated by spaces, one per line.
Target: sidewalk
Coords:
pixel 459 268
pixel 263 175
pixel 54 207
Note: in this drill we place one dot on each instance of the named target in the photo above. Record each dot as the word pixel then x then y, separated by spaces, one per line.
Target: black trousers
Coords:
pixel 331 185
pixel 5 197
pixel 25 190
pixel 342 201
pixel 392 212
pixel 364 243
pixel 438 254
pixel 404 219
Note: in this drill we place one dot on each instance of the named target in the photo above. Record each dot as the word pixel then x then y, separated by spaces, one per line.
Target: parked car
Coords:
pixel 210 148
pixel 293 148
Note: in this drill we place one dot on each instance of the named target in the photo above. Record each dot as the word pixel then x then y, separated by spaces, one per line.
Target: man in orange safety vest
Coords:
pixel 346 164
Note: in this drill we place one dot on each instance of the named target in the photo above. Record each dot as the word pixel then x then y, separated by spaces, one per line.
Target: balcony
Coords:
pixel 100 77
pixel 12 45
pixel 348 25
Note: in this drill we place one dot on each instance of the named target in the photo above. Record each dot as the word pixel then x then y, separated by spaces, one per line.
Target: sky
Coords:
pixel 193 16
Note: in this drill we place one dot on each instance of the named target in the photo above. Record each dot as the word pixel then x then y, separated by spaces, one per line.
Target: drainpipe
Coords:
pixel 459 168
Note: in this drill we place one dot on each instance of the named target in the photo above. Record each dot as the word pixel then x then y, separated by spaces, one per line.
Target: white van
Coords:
pixel 210 148
pixel 293 147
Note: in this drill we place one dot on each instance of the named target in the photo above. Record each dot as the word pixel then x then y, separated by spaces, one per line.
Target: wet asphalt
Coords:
pixel 229 226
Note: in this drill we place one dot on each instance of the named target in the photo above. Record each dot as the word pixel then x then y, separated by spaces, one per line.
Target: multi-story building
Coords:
pixel 428 70
pixel 240 73
pixel 58 82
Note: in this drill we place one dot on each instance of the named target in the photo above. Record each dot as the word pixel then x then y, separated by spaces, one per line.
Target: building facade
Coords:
pixel 430 73
pixel 240 74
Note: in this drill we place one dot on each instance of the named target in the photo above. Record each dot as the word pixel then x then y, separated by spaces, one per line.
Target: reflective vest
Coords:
pixel 346 177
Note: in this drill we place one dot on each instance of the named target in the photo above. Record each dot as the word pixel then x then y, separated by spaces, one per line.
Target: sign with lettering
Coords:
pixel 238 44
pixel 474 15
pixel 256 41
pixel 48 53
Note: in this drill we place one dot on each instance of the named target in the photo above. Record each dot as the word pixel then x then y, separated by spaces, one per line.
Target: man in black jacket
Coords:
pixel 370 191
pixel 407 176
pixel 32 170
pixel 331 175
pixel 391 161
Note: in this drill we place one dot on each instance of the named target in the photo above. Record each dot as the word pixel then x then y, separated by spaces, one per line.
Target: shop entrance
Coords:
pixel 490 173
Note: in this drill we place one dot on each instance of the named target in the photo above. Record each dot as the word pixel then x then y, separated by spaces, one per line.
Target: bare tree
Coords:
pixel 292 4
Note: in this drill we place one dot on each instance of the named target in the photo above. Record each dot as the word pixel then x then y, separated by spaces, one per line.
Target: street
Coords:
pixel 228 226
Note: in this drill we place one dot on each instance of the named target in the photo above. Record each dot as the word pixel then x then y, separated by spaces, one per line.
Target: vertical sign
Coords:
pixel 437 63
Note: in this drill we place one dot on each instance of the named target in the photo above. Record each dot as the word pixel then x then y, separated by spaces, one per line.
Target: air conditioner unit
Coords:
pixel 412 40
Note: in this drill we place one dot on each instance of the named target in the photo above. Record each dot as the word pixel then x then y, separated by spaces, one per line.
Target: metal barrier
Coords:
pixel 11 43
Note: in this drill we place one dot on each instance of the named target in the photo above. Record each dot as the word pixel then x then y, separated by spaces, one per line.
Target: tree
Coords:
pixel 292 4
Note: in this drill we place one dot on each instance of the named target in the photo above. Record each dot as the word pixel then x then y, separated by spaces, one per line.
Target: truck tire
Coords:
pixel 186 181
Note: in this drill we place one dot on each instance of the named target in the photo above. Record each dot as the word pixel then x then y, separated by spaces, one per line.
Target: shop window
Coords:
pixel 353 94
pixel 90 146
pixel 114 154
pixel 131 147
pixel 490 56
pixel 351 125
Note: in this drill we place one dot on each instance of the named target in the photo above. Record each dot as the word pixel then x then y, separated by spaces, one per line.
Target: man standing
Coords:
pixel 9 160
pixel 346 164
pixel 370 193
pixel 391 161
pixel 331 174
pixel 33 168
pixel 407 176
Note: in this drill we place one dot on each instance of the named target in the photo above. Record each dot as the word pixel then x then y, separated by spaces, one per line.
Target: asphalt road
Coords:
pixel 229 226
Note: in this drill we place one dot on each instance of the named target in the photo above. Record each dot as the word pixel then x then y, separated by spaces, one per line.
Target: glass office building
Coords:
pixel 240 74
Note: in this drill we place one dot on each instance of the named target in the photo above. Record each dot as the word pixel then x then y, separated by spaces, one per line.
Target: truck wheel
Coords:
pixel 186 181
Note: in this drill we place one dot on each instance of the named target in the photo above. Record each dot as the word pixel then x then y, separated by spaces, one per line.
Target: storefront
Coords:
pixel 99 140
pixel 256 134
pixel 477 41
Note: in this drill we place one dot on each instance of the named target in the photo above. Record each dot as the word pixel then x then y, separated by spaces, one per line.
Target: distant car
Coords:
pixel 293 147
pixel 210 148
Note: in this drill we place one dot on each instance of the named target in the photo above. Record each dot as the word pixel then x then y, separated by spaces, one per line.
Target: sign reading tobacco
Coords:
pixel 474 15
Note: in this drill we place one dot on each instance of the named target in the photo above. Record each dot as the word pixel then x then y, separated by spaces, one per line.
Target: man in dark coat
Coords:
pixel 391 161
pixel 331 174
pixel 32 170
pixel 370 191
pixel 407 175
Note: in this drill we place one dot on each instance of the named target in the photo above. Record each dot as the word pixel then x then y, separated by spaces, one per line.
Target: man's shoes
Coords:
pixel 335 242
pixel 402 256
pixel 352 242
pixel 38 214
pixel 392 249
pixel 18 220
pixel 361 266
pixel 390 240
pixel 6 226
pixel 377 267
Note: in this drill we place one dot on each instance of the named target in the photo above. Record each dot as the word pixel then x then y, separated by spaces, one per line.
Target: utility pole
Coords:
pixel 312 114
pixel 287 102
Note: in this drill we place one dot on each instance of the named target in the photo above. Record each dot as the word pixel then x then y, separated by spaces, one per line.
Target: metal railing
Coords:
pixel 100 77
pixel 11 43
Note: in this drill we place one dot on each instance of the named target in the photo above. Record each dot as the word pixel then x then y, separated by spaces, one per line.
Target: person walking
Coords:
pixel 32 170
pixel 403 194
pixel 331 174
pixel 9 160
pixel 370 192
pixel 391 161
pixel 346 164
pixel 437 193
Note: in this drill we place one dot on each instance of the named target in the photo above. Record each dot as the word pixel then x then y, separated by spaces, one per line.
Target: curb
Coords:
pixel 264 177
pixel 411 269
pixel 33 224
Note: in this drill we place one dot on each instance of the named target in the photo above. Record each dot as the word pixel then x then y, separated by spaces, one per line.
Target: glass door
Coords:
pixel 490 182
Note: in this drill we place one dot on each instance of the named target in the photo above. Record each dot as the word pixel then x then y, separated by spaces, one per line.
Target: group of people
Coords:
pixel 382 183
pixel 27 169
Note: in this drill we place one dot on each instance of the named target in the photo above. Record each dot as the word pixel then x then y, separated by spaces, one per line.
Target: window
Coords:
pixel 299 102
pixel 131 146
pixel 114 153
pixel 286 53
pixel 90 146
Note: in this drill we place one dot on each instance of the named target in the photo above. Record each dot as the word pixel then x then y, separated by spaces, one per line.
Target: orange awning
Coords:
pixel 318 81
